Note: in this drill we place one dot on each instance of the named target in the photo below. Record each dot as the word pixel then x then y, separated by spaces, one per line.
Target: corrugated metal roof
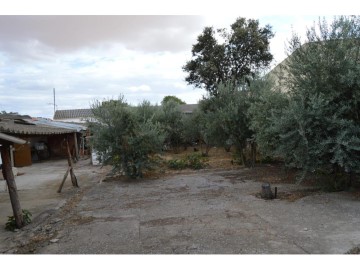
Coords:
pixel 57 124
pixel 19 127
pixel 71 114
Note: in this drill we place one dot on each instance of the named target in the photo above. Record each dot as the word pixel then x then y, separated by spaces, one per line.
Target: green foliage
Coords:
pixel 177 164
pixel 266 105
pixel 125 137
pixel 197 130
pixel 193 161
pixel 316 123
pixel 170 119
pixel 172 98
pixel 146 112
pixel 226 117
pixel 196 161
pixel 245 50
pixel 11 224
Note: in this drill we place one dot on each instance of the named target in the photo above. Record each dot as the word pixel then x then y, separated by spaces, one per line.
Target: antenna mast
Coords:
pixel 54 100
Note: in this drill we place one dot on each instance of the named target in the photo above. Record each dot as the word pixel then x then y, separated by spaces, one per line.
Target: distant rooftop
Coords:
pixel 87 113
pixel 72 114
pixel 188 108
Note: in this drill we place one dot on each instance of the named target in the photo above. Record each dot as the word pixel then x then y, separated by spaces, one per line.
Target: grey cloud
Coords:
pixel 67 33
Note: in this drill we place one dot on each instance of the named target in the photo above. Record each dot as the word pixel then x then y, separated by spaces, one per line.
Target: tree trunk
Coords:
pixel 206 153
pixel 253 154
pixel 243 157
pixel 76 147
pixel 10 180
pixel 227 148
pixel 208 147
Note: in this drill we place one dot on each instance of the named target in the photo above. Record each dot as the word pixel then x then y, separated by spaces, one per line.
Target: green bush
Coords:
pixel 11 224
pixel 196 161
pixel 193 161
pixel 126 137
pixel 177 164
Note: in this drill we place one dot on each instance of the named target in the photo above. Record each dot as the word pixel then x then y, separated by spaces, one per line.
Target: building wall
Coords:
pixel 72 120
pixel 25 155
pixel 278 75
pixel 57 144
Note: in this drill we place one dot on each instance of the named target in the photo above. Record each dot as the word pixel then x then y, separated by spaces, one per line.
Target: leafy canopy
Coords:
pixel 243 51
pixel 318 127
pixel 172 98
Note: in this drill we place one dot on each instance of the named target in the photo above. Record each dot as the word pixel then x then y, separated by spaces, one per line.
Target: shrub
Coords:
pixel 11 224
pixel 125 137
pixel 193 161
pixel 196 161
pixel 177 164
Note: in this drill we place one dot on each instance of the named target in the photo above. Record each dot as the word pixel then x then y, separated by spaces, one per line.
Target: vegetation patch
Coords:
pixel 355 250
pixel 11 223
pixel 193 161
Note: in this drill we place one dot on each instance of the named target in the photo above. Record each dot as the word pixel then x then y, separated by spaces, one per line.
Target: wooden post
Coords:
pixel 76 147
pixel 69 170
pixel 72 174
pixel 63 181
pixel 10 180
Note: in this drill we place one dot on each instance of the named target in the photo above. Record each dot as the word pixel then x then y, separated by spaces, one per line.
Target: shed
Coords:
pixel 45 141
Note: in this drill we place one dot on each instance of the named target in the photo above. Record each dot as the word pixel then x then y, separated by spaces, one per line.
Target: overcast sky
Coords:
pixel 87 58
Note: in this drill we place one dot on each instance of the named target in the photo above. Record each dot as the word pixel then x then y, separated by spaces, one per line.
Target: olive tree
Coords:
pixel 319 128
pixel 123 137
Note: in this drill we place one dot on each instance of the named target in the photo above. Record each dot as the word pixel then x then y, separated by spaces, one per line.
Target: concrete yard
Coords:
pixel 203 212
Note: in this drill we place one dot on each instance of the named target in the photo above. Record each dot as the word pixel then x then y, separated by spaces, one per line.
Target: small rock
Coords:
pixel 306 229
pixel 54 240
pixel 56 220
pixel 47 228
pixel 193 247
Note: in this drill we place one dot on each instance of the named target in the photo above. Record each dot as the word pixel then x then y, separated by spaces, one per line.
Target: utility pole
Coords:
pixel 54 101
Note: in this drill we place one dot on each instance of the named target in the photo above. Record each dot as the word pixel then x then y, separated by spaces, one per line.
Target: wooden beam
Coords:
pixel 69 170
pixel 63 181
pixel 8 138
pixel 72 174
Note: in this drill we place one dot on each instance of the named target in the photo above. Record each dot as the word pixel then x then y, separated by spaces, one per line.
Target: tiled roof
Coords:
pixel 23 127
pixel 71 114
pixel 86 113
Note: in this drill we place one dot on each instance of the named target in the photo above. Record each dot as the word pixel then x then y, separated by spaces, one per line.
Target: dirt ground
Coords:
pixel 216 210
